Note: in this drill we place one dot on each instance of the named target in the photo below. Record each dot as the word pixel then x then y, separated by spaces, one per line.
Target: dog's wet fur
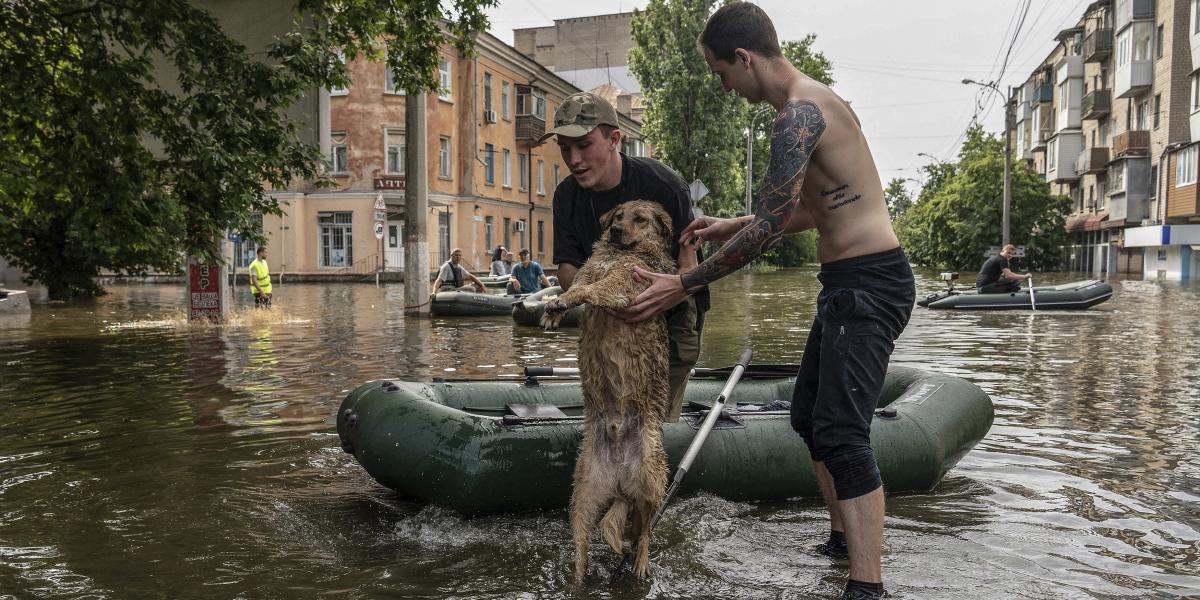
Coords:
pixel 621 472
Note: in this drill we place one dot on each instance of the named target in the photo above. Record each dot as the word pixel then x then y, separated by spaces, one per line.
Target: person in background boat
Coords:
pixel 821 175
pixel 260 279
pixel 527 276
pixel 996 278
pixel 498 267
pixel 453 275
pixel 602 177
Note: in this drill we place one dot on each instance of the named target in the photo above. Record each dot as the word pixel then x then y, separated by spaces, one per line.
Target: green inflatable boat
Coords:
pixel 528 311
pixel 483 447
pixel 469 304
pixel 1077 295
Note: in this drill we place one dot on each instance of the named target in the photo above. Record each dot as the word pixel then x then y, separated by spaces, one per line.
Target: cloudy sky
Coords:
pixel 901 64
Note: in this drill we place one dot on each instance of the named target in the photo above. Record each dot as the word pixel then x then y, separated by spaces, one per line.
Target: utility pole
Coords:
pixel 1008 124
pixel 416 206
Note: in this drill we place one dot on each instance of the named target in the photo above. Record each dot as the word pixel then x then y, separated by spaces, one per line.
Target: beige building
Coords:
pixel 489 182
pixel 1107 118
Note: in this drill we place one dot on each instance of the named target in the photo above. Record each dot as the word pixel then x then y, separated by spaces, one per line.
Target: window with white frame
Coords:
pixel 523 171
pixel 1140 113
pixel 1143 31
pixel 1195 16
pixel 489 164
pixel 335 238
pixel 444 157
pixel 1124 46
pixel 244 249
pixel 1195 90
pixel 531 101
pixel 1051 155
pixel 389 81
pixel 340 91
pixel 506 169
pixel 541 175
pixel 395 152
pixel 339 154
pixel 487 92
pixel 1185 166
pixel 505 95
pixel 557 176
pixel 447 90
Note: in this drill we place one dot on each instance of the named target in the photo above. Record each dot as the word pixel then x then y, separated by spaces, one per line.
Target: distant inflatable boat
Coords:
pixel 483 447
pixel 14 302
pixel 1076 295
pixel 528 311
pixel 470 304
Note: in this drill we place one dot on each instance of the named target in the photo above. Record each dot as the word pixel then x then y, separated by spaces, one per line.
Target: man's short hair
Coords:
pixel 261 249
pixel 1009 248
pixel 456 251
pixel 523 252
pixel 740 25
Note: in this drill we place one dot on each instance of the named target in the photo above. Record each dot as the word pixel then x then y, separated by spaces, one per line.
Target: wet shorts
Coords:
pixel 864 304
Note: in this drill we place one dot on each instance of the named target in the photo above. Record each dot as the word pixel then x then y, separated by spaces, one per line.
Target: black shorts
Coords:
pixel 864 304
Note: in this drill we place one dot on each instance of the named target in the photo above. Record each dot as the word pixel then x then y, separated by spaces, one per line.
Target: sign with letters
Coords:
pixel 204 291
pixel 390 182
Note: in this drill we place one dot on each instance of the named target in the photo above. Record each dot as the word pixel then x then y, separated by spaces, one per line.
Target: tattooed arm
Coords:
pixel 798 129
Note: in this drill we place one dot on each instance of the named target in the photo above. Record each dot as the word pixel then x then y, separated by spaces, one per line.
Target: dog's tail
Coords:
pixel 612 526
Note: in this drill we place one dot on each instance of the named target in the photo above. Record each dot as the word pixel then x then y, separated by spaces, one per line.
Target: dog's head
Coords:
pixel 637 225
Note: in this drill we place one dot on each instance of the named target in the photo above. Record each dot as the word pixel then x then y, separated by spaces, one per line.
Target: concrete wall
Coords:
pixel 581 43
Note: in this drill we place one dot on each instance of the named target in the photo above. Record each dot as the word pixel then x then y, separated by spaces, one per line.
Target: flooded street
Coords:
pixel 143 457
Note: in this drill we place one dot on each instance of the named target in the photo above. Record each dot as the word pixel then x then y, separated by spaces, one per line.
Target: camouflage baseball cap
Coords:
pixel 579 114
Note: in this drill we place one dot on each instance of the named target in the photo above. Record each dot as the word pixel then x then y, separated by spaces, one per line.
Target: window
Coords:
pixel 1116 178
pixel 541 248
pixel 507 168
pixel 340 91
pixel 244 250
pixel 487 92
pixel 507 230
pixel 1103 134
pixel 335 238
pixel 1195 90
pixel 521 234
pixel 447 91
pixel 1124 42
pixel 489 167
pixel 489 225
pixel 395 152
pixel 504 98
pixel 531 101
pixel 444 235
pixel 1185 166
pixel 557 176
pixel 1158 41
pixel 1142 32
pixel 339 155
pixel 1051 162
pixel 389 81
pixel 1157 108
pixel 541 178
pixel 1196 16
pixel 523 171
pixel 444 157
pixel 1062 95
pixel 1143 107
pixel 1020 140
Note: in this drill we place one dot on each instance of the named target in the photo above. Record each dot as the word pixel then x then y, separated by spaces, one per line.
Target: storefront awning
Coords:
pixel 1093 221
pixel 1075 222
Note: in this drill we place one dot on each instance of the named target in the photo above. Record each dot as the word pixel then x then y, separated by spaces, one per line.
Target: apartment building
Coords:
pixel 1108 118
pixel 490 182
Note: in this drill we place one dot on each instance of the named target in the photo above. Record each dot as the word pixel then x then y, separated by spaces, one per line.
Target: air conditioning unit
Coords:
pixel 1147 222
pixel 518 226
pixel 489 116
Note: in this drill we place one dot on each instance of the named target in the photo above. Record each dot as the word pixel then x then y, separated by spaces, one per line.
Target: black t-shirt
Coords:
pixel 991 271
pixel 577 210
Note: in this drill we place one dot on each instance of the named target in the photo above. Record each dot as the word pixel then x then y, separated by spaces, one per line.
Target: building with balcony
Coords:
pixel 489 181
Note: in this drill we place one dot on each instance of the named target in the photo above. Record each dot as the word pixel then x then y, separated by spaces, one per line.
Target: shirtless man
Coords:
pixel 820 175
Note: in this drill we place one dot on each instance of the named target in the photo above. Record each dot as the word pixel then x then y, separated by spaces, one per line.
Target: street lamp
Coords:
pixel 932 157
pixel 1004 218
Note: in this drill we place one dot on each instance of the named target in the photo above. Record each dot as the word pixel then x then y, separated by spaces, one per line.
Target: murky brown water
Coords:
pixel 144 458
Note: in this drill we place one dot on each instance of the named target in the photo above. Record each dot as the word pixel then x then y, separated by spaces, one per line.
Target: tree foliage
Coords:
pixel 112 164
pixel 694 127
pixel 957 216
pixel 897 196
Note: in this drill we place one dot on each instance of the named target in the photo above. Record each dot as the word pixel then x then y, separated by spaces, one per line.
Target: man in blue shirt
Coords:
pixel 527 276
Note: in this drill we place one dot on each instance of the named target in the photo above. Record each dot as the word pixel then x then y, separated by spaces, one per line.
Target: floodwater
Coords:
pixel 142 457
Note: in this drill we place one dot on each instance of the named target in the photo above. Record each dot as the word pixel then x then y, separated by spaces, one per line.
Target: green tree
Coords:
pixel 694 127
pixel 957 216
pixel 113 164
pixel 897 196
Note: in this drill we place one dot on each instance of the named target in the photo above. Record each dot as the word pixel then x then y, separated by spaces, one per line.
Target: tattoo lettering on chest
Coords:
pixel 837 197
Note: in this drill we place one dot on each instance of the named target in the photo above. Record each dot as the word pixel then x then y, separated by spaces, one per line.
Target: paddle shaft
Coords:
pixel 1032 299
pixel 709 421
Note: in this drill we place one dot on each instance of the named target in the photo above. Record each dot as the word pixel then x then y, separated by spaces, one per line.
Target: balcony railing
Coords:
pixel 1043 92
pixel 1096 104
pixel 530 128
pixel 1092 160
pixel 1131 143
pixel 1097 46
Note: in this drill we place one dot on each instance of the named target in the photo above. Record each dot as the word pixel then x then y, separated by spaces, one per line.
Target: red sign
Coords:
pixel 204 291
pixel 389 183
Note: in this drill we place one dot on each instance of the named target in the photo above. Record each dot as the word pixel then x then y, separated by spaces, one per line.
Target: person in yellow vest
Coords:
pixel 260 280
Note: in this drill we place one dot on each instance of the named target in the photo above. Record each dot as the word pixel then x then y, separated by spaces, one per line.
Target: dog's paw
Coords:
pixel 553 315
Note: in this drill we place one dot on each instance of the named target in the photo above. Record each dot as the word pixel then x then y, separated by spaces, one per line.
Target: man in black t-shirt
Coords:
pixel 601 178
pixel 995 276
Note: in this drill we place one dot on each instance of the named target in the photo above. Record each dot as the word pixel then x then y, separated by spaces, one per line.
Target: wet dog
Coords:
pixel 621 471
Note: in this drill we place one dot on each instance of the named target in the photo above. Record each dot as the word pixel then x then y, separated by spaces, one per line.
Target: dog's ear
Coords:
pixel 663 221
pixel 606 219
